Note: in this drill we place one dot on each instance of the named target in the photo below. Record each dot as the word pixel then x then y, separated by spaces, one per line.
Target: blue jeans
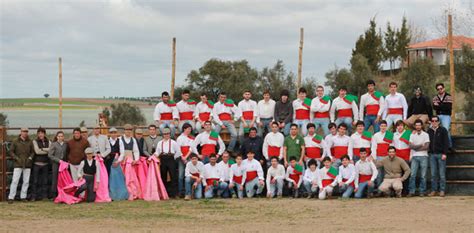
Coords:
pixel 219 189
pixel 251 185
pixel 167 124
pixel 347 121
pixel 346 190
pixel 286 129
pixel 381 173
pixel 370 120
pixel 308 187
pixel 418 162
pixel 242 132
pixel 276 188
pixel 446 123
pixel 266 127
pixel 362 189
pixel 302 126
pixel 197 191
pixel 232 131
pixel 239 193
pixel 181 167
pixel 438 168
pixel 322 123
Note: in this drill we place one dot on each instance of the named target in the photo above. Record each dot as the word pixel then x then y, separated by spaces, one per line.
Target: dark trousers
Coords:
pixel 40 180
pixel 54 179
pixel 108 163
pixel 88 187
pixel 168 165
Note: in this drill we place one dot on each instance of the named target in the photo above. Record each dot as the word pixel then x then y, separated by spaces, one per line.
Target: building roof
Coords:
pixel 442 43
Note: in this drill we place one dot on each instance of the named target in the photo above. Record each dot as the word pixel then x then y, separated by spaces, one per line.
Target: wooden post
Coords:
pixel 300 60
pixel 173 68
pixel 451 72
pixel 60 93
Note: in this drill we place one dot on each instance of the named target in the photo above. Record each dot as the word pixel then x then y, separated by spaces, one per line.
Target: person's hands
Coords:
pixel 377 120
pixel 286 164
pixel 231 185
pixel 96 186
pixel 273 180
pixel 443 157
pixel 261 182
pixel 241 188
pixel 244 123
pixel 115 164
pixel 370 183
pixel 260 124
pixel 223 126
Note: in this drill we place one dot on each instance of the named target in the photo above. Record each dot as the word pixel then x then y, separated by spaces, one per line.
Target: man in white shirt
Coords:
pixel 266 110
pixel 165 114
pixel 320 110
pixel 401 145
pixel 314 145
pixel 373 103
pixel 273 144
pixel 360 139
pixel 346 108
pixel 208 140
pixel 326 182
pixel 366 173
pixel 396 106
pixel 311 179
pixel 186 108
pixel 99 143
pixel 249 115
pixel 253 175
pixel 193 181
pixel 203 112
pixel 168 151
pixel 419 144
pixel 185 143
pixel 275 177
pixel 225 115
pixel 225 172
pixel 213 182
pixel 341 145
pixel 237 175
pixel 380 145
pixel 301 111
pixel 346 177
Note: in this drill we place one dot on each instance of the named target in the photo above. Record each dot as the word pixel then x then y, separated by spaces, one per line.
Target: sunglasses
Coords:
pixel 434 121
pixel 439 89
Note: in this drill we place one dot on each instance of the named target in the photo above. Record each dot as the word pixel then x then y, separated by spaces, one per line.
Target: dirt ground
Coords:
pixel 450 214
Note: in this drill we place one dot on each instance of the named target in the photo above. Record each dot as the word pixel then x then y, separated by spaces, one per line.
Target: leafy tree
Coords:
pixel 360 74
pixel 3 119
pixel 337 78
pixel 422 73
pixel 276 79
pixel 391 46
pixel 403 39
pixel 370 46
pixel 124 113
pixel 82 123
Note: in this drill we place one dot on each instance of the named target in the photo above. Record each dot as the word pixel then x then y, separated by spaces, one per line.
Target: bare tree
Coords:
pixel 463 20
pixel 417 34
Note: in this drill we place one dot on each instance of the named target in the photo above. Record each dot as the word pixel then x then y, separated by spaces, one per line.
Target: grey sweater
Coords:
pixel 57 151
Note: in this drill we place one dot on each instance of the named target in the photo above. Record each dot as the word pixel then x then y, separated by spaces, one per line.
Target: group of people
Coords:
pixel 281 151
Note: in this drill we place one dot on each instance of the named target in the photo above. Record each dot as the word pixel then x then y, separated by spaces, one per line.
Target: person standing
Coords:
pixel 168 152
pixel 401 141
pixel 75 152
pixel 320 106
pixel 301 110
pixel 185 142
pixel 346 107
pixel 273 144
pixel 381 141
pixel 340 145
pixel 396 170
pixel 84 132
pixel 40 166
pixel 293 146
pixel 114 142
pixel 373 103
pixel 396 107
pixel 186 108
pixel 226 113
pixel 165 114
pixel 439 144
pixel 284 112
pixel 360 139
pixel 57 152
pixel 266 110
pixel 249 115
pixel 443 104
pixel 419 108
pixel 203 112
pixel 419 144
pixel 151 142
pixel 22 152
pixel 99 143
pixel 314 145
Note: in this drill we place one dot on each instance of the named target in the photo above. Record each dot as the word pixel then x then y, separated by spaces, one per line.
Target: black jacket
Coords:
pixel 421 105
pixel 439 142
pixel 252 144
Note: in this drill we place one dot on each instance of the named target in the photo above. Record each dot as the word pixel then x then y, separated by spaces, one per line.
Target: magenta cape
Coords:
pixel 102 193
pixel 155 189
pixel 131 180
pixel 66 186
pixel 141 169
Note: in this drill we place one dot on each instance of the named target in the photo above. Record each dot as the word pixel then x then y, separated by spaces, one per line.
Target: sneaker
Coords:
pixel 279 196
pixel 10 201
pixel 422 195
pixel 187 197
pixel 410 195
pixel 442 194
pixel 399 195
pixel 310 195
pixel 432 194
pixel 24 200
pixel 370 195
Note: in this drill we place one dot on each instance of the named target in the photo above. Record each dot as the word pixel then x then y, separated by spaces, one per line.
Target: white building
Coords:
pixel 437 49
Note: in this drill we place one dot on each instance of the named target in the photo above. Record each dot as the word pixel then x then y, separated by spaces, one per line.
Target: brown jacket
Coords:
pixel 394 168
pixel 75 150
pixel 22 152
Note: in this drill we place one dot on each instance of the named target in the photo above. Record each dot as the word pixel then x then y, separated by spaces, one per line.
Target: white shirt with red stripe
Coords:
pixel 220 108
pixel 236 171
pixel 252 166
pixel 323 175
pixel 365 168
pixel 193 169
pixel 339 104
pixel 273 140
pixel 299 110
pixel 185 110
pixel 202 109
pixel 378 139
pixel 346 174
pixel 168 146
pixel 319 109
pixel 203 138
pixel 341 141
pixel 249 110
pixel 290 171
pixel 327 142
pixel 212 172
pixel 309 143
pixel 186 141
pixel 162 108
pixel 358 142
pixel 368 103
pixel 395 101
pixel 225 167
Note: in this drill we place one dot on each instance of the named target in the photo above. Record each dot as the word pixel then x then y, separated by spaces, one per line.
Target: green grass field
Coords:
pixel 68 103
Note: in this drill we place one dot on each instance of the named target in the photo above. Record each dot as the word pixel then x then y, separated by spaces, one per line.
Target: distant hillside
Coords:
pixel 68 103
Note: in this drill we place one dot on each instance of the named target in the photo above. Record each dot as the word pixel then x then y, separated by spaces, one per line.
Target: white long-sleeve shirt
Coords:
pixel 203 109
pixel 368 99
pixel 317 107
pixel 162 108
pixel 275 140
pixel 236 170
pixel 339 140
pixel 183 108
pixel 135 151
pixel 253 165
pixel 100 144
pixel 277 173
pixel 365 168
pixel 266 109
pixel 225 169
pixel 186 141
pixel 396 100
pixel 377 139
pixel 311 176
pixel 220 108
pixel 193 169
pixel 397 143
pixel 168 146
pixel 323 175
pixel 80 170
pixel 203 138
pixel 291 171
pixel 348 173
pixel 309 143
pixel 211 172
pixel 298 105
pixel 328 142
pixel 358 142
pixel 339 104
pixel 249 107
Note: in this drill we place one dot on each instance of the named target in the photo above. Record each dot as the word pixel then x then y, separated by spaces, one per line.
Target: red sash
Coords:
pixel 313 152
pixel 395 111
pixel 237 179
pixel 339 151
pixel 356 151
pixel 344 112
pixel 382 149
pixel 208 149
pixel 372 109
pixel 327 182
pixel 302 114
pixel 251 175
pixel 166 116
pixel 184 116
pixel 204 116
pixel 210 181
pixel 404 153
pixel 248 115
pixel 295 177
pixel 351 184
pixel 195 174
pixel 184 150
pixel 273 151
pixel 225 116
pixel 364 178
pixel 321 114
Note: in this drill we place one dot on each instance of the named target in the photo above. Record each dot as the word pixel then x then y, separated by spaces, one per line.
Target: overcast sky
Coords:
pixel 123 48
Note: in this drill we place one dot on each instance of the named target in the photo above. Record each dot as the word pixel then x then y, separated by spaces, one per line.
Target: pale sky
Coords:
pixel 123 48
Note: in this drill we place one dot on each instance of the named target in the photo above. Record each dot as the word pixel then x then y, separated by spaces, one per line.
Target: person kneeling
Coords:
pixel 294 175
pixel 393 167
pixel 346 177
pixel 366 173
pixel 310 179
pixel 193 177
pixel 253 176
pixel 213 178
pixel 237 176
pixel 327 180
pixel 87 170
pixel 275 176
